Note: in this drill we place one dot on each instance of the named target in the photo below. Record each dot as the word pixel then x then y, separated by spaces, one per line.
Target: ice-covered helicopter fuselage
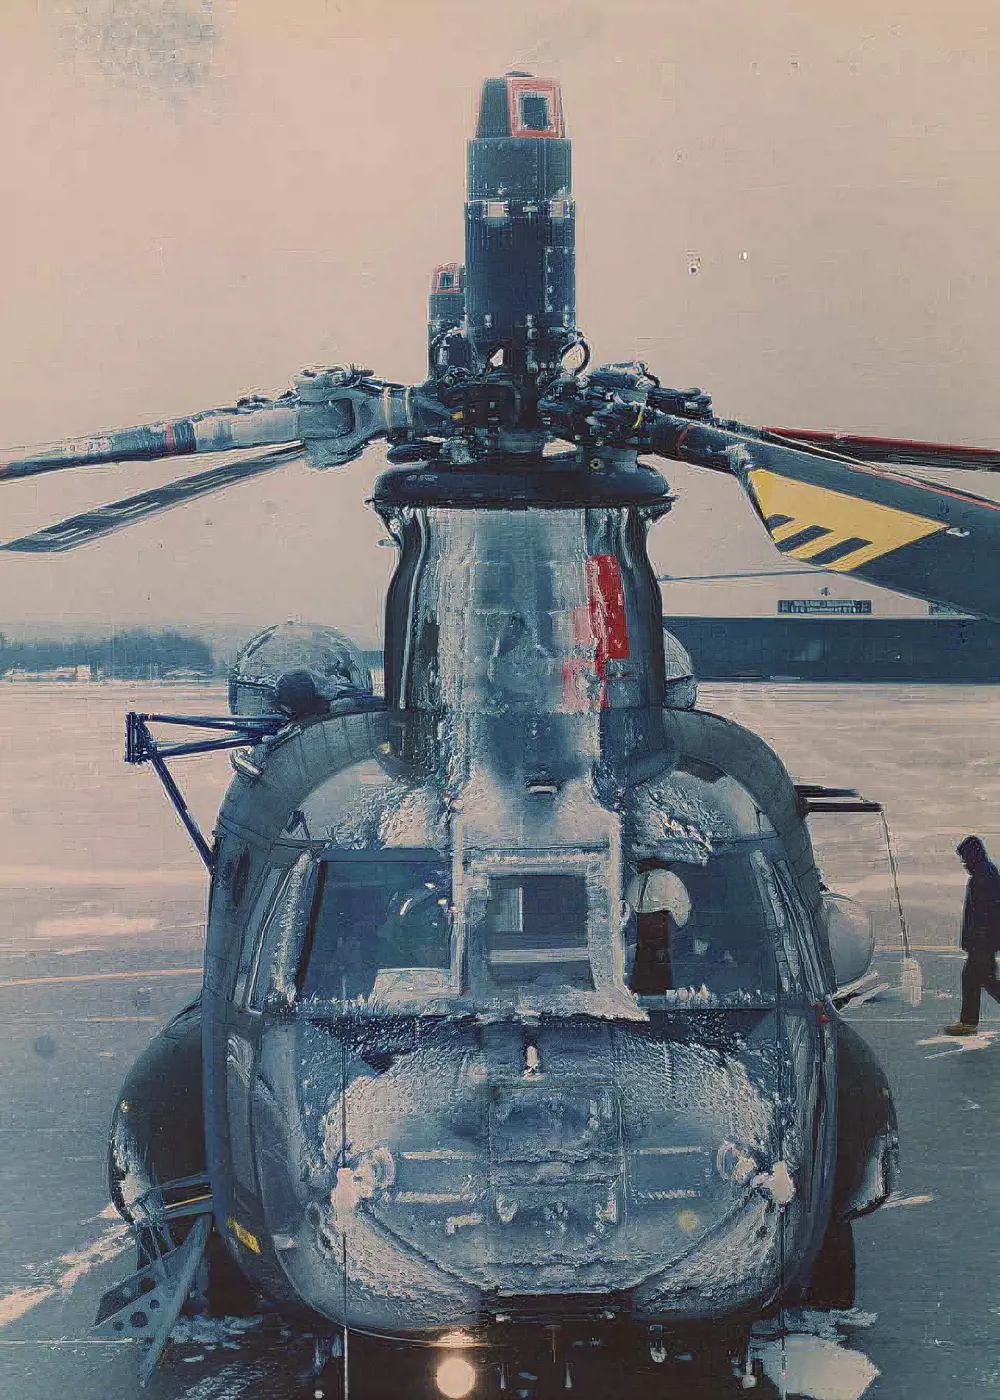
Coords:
pixel 518 993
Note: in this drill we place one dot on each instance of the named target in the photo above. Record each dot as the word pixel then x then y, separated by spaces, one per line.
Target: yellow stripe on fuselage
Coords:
pixel 843 517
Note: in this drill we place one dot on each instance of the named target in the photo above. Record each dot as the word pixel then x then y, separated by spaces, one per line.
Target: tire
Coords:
pixel 833 1282
pixel 331 1379
pixel 228 1292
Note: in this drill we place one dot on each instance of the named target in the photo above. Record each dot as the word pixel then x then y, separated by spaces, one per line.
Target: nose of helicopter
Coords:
pixel 505 1163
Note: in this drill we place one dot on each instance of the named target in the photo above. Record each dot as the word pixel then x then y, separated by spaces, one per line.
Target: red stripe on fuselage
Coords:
pixel 608 618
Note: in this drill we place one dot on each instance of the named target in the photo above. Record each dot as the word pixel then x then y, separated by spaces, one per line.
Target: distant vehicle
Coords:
pixel 518 1065
pixel 54 673
pixel 186 673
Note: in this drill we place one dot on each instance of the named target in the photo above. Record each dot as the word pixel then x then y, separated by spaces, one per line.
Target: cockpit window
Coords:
pixel 817 975
pixel 536 931
pixel 247 971
pixel 694 926
pixel 380 926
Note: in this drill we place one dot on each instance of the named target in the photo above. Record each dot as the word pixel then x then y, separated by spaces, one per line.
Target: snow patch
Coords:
pixel 18 1301
pixel 229 1384
pixel 981 1040
pixel 817 1367
pixel 62 1274
pixel 876 883
pixel 213 1332
pixel 59 877
pixel 810 1358
pixel 107 1247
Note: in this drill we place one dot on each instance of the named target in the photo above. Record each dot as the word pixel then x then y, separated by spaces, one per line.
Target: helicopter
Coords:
pixel 518 1064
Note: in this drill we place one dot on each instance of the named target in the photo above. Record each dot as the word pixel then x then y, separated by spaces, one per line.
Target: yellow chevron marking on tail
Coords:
pixel 782 532
pixel 842 517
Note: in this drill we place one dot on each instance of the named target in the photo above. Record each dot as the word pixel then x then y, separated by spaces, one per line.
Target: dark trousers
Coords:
pixel 978 975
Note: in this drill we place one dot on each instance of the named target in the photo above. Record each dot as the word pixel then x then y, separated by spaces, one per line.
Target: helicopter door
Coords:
pixel 810 1033
pixel 243 1023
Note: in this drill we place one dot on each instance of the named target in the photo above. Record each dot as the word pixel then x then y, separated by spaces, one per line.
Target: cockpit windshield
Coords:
pixel 381 930
pixel 689 902
pixel 380 927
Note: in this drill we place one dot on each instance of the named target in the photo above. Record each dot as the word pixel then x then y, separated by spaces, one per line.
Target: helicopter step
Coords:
pixel 147 1304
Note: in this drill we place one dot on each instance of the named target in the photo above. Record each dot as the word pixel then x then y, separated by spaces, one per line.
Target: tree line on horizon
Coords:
pixel 136 654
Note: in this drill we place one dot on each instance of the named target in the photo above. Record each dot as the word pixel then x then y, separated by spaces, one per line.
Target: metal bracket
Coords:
pixel 146 1305
pixel 813 797
pixel 142 747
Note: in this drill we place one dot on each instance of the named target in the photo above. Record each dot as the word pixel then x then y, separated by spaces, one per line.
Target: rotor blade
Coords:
pixel 715 578
pixel 93 524
pixel 257 423
pixel 832 512
pixel 897 450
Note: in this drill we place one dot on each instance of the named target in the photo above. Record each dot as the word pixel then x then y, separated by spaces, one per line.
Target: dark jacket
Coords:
pixel 981 915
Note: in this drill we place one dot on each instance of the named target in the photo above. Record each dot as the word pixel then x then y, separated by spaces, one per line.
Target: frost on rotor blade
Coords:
pixel 738 458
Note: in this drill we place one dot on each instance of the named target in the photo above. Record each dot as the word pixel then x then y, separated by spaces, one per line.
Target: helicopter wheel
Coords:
pixel 227 1291
pixel 832 1286
pixel 328 1383
pixel 219 1289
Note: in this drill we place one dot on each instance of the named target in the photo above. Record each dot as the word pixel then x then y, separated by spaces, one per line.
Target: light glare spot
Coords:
pixel 455 1377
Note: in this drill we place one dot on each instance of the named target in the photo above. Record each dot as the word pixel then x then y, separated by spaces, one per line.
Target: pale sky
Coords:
pixel 202 196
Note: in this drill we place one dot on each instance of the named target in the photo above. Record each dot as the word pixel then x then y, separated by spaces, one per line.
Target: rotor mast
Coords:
pixel 524 600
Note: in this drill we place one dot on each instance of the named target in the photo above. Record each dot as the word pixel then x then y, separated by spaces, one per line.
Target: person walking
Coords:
pixel 980 934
